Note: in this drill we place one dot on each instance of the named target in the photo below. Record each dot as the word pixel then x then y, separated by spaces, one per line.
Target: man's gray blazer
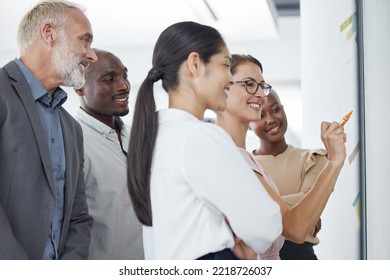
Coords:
pixel 26 182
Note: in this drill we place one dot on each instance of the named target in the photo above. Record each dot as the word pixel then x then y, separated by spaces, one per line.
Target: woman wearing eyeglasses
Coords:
pixel 246 98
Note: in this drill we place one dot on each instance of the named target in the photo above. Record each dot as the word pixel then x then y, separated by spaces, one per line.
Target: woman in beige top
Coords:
pixel 294 170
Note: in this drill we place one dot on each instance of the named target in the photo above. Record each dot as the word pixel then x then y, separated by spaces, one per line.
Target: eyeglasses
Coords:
pixel 252 87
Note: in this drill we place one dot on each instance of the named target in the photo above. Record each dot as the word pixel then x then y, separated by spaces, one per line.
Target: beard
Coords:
pixel 68 64
pixel 121 114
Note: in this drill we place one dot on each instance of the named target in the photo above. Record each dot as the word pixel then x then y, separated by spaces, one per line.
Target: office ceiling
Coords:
pixel 131 22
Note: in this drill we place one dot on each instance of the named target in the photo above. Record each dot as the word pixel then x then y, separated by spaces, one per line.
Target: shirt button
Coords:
pixel 53 140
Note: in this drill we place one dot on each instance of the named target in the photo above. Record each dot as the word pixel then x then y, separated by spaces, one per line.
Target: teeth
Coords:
pixel 121 99
pixel 84 64
pixel 254 105
pixel 274 129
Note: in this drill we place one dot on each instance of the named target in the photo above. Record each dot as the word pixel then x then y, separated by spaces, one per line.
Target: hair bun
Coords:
pixel 154 75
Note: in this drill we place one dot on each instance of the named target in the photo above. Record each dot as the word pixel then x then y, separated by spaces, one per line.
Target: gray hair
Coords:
pixel 53 12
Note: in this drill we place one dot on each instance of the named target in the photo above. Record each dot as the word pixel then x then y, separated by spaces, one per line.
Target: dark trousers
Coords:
pixel 225 254
pixel 293 251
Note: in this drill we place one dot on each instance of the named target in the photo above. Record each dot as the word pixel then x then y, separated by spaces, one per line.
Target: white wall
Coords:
pixel 377 115
pixel 329 91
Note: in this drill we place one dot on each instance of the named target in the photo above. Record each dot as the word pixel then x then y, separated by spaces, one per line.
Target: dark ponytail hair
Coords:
pixel 171 50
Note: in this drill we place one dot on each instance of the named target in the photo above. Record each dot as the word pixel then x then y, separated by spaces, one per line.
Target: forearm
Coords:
pixel 307 184
pixel 301 219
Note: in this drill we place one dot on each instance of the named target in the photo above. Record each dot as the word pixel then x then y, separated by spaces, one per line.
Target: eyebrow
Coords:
pixel 272 105
pixel 87 36
pixel 110 73
pixel 252 79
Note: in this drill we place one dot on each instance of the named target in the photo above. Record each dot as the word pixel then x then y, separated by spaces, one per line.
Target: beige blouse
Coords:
pixel 294 172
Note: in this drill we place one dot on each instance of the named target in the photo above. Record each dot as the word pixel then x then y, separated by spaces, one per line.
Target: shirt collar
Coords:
pixel 37 90
pixel 100 127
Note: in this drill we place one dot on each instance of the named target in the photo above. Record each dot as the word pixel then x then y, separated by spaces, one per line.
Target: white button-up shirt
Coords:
pixel 198 177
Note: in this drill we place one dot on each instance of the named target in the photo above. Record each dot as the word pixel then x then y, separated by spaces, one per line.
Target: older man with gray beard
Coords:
pixel 43 210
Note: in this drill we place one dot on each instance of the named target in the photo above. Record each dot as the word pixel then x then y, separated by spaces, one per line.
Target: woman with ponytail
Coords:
pixel 188 182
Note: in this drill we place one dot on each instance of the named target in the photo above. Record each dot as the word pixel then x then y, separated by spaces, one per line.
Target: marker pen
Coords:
pixel 346 118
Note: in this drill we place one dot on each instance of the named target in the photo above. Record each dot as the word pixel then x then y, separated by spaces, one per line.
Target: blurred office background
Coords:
pixel 324 58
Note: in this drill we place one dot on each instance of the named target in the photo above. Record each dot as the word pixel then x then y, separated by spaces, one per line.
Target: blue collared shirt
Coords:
pixel 48 108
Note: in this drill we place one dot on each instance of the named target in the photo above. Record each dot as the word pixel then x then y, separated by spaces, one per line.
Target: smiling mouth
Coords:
pixel 83 65
pixel 121 99
pixel 255 106
pixel 273 130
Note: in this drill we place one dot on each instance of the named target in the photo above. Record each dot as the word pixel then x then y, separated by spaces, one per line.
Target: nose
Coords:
pixel 261 95
pixel 230 79
pixel 91 55
pixel 268 118
pixel 124 84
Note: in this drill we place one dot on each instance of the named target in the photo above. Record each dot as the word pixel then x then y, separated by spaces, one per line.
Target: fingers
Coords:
pixel 332 131
pixel 317 228
pixel 334 138
pixel 243 251
pixel 328 129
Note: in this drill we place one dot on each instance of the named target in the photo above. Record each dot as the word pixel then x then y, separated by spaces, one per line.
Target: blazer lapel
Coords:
pixel 66 135
pixel 23 91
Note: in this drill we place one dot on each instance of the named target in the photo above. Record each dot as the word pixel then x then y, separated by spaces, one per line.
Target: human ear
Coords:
pixel 48 33
pixel 194 64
